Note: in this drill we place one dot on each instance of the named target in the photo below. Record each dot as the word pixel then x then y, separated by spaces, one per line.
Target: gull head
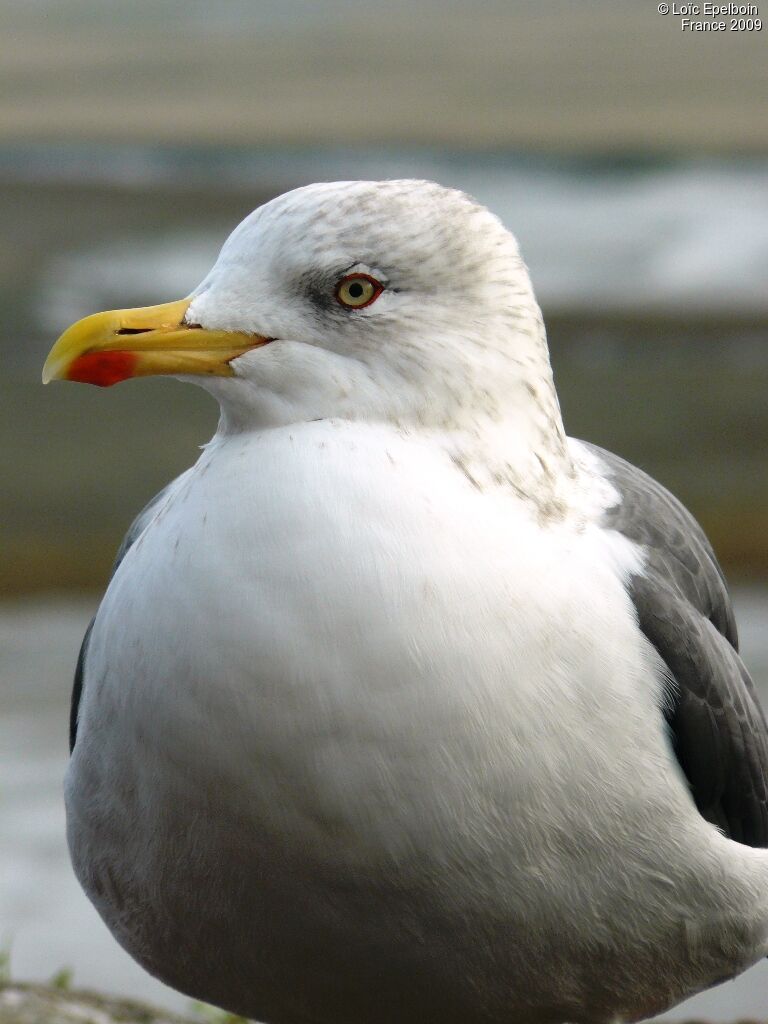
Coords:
pixel 393 300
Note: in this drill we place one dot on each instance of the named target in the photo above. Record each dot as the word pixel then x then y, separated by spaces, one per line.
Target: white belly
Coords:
pixel 358 745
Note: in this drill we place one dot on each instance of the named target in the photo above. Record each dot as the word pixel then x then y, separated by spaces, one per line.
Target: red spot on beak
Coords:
pixel 102 368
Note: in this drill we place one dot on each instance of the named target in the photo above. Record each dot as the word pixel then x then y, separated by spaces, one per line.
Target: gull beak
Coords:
pixel 106 348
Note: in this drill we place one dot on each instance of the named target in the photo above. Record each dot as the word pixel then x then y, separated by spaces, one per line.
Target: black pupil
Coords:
pixel 355 290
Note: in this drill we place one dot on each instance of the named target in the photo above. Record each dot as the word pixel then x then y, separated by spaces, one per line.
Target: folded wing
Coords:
pixel 717 726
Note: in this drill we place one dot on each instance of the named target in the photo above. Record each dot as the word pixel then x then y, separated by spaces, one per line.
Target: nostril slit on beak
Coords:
pixel 146 330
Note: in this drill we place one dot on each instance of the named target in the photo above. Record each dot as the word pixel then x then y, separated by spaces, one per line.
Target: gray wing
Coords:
pixel 134 530
pixel 718 729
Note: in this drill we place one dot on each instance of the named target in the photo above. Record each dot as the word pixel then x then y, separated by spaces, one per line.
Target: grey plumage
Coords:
pixel 718 729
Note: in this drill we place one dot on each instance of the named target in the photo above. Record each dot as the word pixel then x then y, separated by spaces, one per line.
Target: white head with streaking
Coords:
pixel 396 301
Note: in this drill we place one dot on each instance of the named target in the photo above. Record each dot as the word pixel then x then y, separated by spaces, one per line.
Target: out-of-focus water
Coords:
pixel 684 235
pixel 47 921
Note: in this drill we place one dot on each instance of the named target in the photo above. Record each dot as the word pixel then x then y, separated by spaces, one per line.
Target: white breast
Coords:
pixel 329 661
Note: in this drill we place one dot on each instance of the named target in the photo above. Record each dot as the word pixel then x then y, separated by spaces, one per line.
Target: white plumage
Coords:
pixel 369 732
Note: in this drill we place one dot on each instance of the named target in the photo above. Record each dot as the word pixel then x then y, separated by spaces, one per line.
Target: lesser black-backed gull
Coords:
pixel 401 706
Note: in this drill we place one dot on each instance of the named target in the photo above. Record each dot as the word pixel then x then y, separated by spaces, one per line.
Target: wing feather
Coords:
pixel 718 728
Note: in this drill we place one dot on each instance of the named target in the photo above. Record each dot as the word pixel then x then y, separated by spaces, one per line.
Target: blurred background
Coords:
pixel 629 157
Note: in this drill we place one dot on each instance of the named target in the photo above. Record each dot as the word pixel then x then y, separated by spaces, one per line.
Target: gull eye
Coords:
pixel 358 290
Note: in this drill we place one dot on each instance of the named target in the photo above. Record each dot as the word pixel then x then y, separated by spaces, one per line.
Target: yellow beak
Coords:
pixel 106 348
